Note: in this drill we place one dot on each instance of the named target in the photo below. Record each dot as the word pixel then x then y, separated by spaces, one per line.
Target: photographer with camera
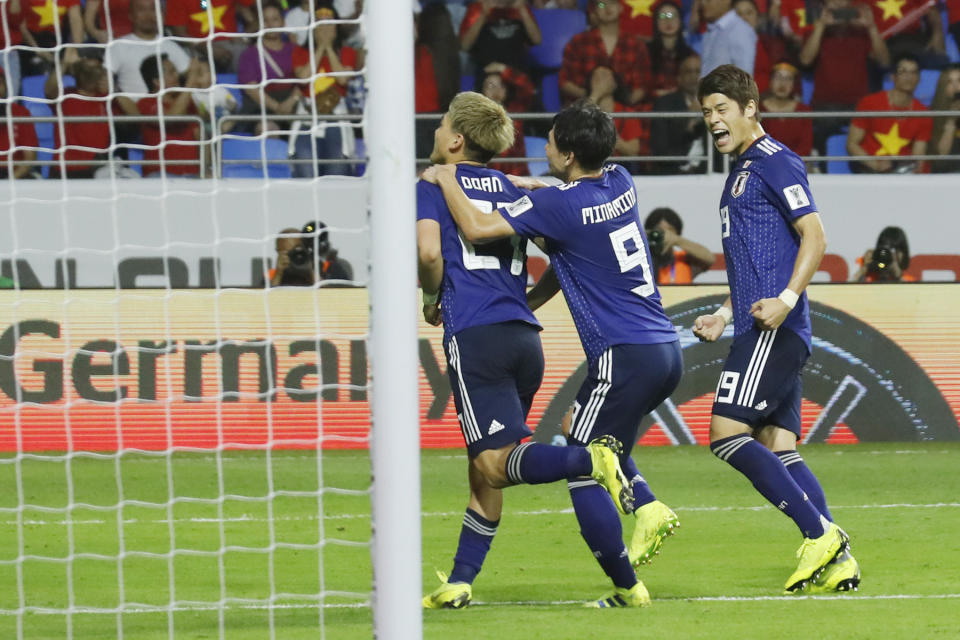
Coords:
pixel 676 260
pixel 305 256
pixel 888 260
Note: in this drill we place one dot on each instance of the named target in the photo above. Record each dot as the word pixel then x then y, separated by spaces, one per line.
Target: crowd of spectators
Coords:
pixel 148 83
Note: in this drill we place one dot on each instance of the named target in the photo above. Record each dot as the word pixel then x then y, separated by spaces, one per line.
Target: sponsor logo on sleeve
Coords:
pixel 522 205
pixel 796 197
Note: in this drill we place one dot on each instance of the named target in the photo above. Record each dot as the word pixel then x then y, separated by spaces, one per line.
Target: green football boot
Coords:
pixel 636 596
pixel 655 521
pixel 605 454
pixel 448 596
pixel 815 554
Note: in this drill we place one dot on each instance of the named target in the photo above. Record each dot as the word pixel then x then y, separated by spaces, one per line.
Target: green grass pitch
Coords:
pixel 720 577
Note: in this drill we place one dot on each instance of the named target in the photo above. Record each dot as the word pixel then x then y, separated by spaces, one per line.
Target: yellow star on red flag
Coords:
pixel 891 143
pixel 204 19
pixel 891 8
pixel 49 15
pixel 639 7
pixel 801 17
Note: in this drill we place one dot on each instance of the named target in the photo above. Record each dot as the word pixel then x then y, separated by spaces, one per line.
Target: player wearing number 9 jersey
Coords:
pixel 491 339
pixel 600 259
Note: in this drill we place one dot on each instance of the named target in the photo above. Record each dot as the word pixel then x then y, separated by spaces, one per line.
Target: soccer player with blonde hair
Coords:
pixel 492 343
pixel 600 259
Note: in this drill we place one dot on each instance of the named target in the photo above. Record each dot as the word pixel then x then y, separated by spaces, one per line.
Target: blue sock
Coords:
pixel 771 479
pixel 801 473
pixel 601 529
pixel 641 490
pixel 476 534
pixel 538 463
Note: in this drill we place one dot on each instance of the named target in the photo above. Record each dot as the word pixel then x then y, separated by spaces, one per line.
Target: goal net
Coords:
pixel 185 403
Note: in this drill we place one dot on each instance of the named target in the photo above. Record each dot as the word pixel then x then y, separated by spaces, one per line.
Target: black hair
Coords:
pixel 658 53
pixel 664 213
pixel 151 70
pixel 341 36
pixel 587 131
pixel 271 4
pixel 731 81
pixel 906 55
pixel 896 238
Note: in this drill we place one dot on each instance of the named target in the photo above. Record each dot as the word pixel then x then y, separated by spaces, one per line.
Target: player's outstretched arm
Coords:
pixel 709 328
pixel 476 226
pixel 771 312
pixel 546 288
pixel 526 182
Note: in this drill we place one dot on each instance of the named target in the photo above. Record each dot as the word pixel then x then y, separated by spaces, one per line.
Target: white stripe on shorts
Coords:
pixel 763 364
pixel 581 430
pixel 754 368
pixel 468 424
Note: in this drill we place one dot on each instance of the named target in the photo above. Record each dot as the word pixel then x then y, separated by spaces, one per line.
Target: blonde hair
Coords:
pixel 486 128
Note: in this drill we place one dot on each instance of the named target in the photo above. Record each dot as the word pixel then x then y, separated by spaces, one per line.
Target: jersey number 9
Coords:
pixel 631 260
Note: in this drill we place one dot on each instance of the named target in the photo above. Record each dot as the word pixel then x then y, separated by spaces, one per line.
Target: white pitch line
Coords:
pixel 435 514
pixel 500 603
pixel 782 598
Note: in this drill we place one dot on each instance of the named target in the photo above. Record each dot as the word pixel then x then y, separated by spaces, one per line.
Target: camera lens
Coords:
pixel 299 256
pixel 882 258
pixel 655 239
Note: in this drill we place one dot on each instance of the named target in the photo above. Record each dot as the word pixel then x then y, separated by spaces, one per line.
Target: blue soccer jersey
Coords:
pixel 482 284
pixel 599 252
pixel 766 191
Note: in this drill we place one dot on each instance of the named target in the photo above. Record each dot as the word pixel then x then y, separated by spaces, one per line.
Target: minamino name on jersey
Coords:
pixel 609 210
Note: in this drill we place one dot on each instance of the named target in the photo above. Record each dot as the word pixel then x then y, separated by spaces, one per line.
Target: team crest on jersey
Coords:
pixel 739 184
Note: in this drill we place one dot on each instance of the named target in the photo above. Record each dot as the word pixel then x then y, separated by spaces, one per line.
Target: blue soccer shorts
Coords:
pixel 761 380
pixel 623 385
pixel 494 370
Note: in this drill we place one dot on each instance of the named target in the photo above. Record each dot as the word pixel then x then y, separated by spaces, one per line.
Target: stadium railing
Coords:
pixel 218 161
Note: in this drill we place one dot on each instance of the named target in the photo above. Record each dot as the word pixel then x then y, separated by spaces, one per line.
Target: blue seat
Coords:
pixel 807 84
pixel 925 89
pixel 258 151
pixel 44 130
pixel 32 86
pixel 953 51
pixel 550 92
pixel 557 27
pixel 135 156
pixel 467 82
pixel 837 146
pixel 231 79
pixel 536 148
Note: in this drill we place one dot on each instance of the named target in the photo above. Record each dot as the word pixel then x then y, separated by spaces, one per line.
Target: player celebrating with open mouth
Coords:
pixel 773 241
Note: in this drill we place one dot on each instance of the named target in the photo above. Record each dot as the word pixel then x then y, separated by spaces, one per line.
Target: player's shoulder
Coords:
pixel 426 189
pixel 770 156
